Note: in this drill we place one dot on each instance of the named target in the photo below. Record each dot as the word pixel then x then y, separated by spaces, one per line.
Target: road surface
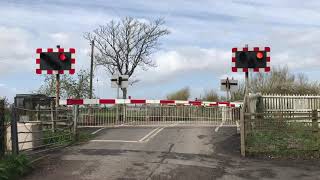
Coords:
pixel 186 153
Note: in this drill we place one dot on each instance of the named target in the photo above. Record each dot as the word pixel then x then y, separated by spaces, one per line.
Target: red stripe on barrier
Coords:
pixel 167 101
pixel 245 69
pixel 256 49
pixel 37 61
pixel 49 50
pixel 226 103
pixel 267 69
pixel 196 103
pixel 49 71
pixel 38 71
pixel 74 101
pixel 138 101
pixel 107 101
pixel 73 61
pixel 61 72
pixel 245 49
pixel 60 50
pixel 232 105
pixel 233 59
pixel 72 71
pixel 216 104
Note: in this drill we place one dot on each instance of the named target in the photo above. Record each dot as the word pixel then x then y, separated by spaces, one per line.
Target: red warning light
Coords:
pixel 259 55
pixel 62 57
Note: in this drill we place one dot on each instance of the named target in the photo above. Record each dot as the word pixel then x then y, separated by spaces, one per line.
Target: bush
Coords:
pixel 182 94
pixel 13 167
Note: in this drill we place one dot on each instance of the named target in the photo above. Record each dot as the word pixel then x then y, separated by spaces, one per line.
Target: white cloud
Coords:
pixel 15 49
pixel 171 64
pixel 60 38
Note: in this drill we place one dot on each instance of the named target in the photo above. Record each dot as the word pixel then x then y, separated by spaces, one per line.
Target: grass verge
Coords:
pixel 292 141
pixel 14 166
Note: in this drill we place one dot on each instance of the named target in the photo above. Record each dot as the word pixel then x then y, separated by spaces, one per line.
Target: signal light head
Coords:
pixel 259 55
pixel 62 57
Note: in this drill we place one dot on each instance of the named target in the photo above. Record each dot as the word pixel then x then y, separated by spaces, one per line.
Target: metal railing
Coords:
pixel 156 115
pixel 37 131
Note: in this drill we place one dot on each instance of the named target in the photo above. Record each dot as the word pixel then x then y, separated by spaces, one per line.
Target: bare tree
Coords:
pixel 127 44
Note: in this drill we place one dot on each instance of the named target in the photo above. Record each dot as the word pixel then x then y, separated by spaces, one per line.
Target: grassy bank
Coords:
pixel 12 167
pixel 292 141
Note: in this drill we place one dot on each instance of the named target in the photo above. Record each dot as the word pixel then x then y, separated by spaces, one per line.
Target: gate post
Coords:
pixel 14 132
pixel 315 125
pixel 75 121
pixel 242 132
pixel 2 129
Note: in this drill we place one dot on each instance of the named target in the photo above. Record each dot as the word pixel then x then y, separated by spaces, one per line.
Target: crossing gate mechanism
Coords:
pixel 138 112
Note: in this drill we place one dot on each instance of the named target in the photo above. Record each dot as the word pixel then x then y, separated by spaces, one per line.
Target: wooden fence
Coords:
pixel 286 102
pixel 275 123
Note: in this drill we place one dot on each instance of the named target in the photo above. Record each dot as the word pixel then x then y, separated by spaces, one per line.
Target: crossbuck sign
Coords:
pixel 119 81
pixel 229 85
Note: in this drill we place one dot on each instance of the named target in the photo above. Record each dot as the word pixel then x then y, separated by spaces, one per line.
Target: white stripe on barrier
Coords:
pixel 181 102
pixel 153 101
pixel 122 101
pixel 63 102
pixel 91 101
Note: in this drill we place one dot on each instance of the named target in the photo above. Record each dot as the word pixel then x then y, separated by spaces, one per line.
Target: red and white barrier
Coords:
pixel 144 101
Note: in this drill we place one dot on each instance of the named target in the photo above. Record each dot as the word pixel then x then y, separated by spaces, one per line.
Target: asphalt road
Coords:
pixel 166 153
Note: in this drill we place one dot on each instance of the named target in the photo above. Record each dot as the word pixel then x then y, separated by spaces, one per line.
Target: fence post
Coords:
pixel 52 115
pixel 242 132
pixel 14 132
pixel 75 121
pixel 2 129
pixel 315 125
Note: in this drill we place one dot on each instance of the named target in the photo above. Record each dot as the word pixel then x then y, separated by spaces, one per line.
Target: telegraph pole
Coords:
pixel 91 69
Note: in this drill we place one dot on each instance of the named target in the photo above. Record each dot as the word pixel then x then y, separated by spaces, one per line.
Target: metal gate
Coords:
pixel 156 115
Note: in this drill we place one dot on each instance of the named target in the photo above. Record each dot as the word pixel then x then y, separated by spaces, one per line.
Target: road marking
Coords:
pixel 154 134
pixel 125 141
pixel 95 132
pixel 149 134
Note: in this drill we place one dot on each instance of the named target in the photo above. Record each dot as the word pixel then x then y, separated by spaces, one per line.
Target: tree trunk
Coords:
pixel 124 93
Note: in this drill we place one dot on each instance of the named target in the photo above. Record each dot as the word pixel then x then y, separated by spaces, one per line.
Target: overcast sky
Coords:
pixel 197 53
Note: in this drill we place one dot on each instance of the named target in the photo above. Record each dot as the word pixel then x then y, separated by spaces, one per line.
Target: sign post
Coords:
pixel 55 62
pixel 229 85
pixel 244 60
pixel 119 81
